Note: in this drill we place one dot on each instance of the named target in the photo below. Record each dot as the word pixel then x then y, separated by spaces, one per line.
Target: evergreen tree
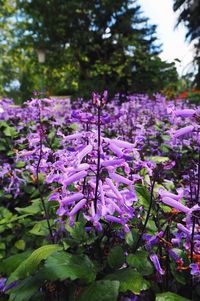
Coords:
pixel 92 45
pixel 189 14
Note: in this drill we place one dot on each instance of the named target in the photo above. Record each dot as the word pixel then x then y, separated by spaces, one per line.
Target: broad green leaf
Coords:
pixel 33 209
pixel 30 265
pixel 10 131
pixel 143 195
pixel 130 280
pixel 62 265
pixel 25 290
pixel 169 296
pixel 40 229
pixel 116 257
pixel 103 290
pixel 10 264
pixel 131 237
pixel 140 261
pixel 151 227
pixel 78 232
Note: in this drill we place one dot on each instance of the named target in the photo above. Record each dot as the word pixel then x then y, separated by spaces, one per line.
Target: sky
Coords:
pixel 174 45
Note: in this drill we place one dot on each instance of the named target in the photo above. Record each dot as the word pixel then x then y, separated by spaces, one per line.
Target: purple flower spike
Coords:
pixel 84 152
pixel 174 204
pixel 122 144
pixel 176 197
pixel 77 207
pixel 184 113
pixel 121 179
pixel 76 177
pixel 156 263
pixel 74 136
pixel 183 229
pixel 114 219
pixel 72 198
pixel 186 130
pixel 116 150
pixel 114 189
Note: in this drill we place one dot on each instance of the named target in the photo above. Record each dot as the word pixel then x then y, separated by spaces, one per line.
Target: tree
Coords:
pixel 90 45
pixel 189 14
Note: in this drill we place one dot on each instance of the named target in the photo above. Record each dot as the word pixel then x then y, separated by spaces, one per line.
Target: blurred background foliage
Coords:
pixel 84 46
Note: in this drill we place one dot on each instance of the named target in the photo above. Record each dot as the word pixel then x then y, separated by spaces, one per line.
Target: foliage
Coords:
pixel 91 42
pixel 189 15
pixel 99 200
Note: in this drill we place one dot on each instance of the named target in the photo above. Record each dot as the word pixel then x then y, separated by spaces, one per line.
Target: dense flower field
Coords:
pixel 99 201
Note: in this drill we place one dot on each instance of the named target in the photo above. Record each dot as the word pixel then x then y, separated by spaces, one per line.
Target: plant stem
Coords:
pixel 38 184
pixel 147 217
pixel 98 157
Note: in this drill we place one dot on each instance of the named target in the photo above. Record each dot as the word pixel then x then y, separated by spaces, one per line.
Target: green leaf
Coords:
pixel 30 265
pixel 158 159
pixel 168 296
pixel 131 237
pixel 166 137
pixel 33 209
pixel 10 264
pixel 2 246
pixel 143 195
pixel 25 290
pixel 62 265
pixel 78 232
pixel 20 244
pixel 40 229
pixel 130 280
pixel 103 290
pixel 20 164
pixel 116 257
pixel 74 126
pixel 10 131
pixel 140 261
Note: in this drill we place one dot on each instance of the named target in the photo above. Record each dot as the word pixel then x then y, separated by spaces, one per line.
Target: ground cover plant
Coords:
pixel 99 200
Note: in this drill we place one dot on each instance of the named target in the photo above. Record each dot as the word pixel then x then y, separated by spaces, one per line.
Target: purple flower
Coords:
pixel 194 269
pixel 175 204
pixel 183 229
pixel 116 150
pixel 156 263
pixel 120 179
pixel 76 177
pixel 72 198
pixel 174 255
pixel 113 188
pixel 84 152
pixel 184 113
pixel 122 144
pixel 114 219
pixel 78 206
pixel 105 97
pixel 186 130
pixel 171 195
pixel 2 283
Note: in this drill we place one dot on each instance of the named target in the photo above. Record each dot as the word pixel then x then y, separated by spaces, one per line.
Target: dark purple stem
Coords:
pixel 38 184
pixel 98 158
pixel 147 217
